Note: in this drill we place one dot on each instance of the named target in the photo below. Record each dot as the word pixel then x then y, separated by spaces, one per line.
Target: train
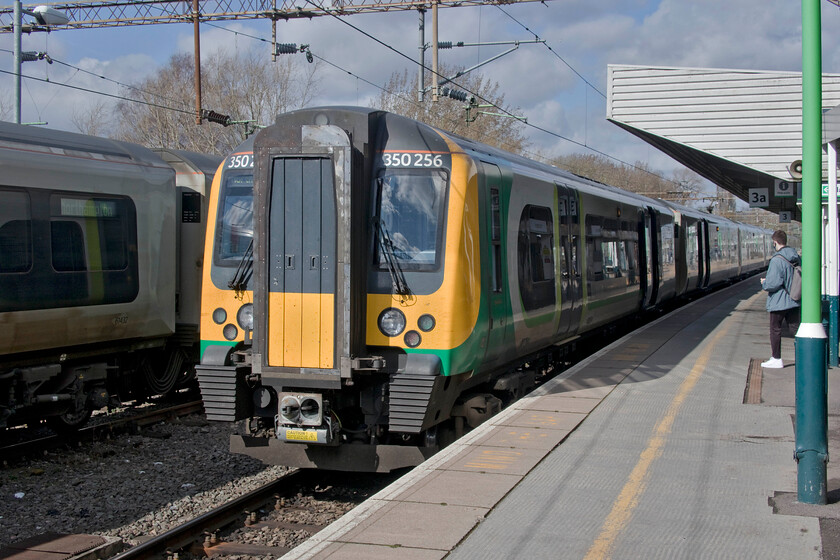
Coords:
pixel 101 250
pixel 374 287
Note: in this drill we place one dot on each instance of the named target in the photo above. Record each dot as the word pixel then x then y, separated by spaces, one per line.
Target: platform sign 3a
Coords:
pixel 785 189
pixel 759 198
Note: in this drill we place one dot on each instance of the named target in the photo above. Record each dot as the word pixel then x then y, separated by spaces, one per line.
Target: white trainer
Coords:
pixel 773 363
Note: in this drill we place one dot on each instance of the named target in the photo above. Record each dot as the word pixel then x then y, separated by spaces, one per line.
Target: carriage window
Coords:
pixel 536 257
pixel 235 229
pixel 89 233
pixel 410 218
pixel 15 232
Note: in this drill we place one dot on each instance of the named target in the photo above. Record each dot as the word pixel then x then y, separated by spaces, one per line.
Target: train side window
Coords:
pixel 88 233
pixel 68 250
pixel 536 257
pixel 15 232
pixel 496 240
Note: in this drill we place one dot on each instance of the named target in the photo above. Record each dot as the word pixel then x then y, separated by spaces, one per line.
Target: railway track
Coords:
pixel 267 522
pixel 39 442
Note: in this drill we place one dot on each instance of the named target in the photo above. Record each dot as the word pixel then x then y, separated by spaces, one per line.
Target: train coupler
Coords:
pixel 326 434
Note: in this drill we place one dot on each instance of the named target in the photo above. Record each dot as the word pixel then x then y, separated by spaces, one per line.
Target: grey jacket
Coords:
pixel 779 277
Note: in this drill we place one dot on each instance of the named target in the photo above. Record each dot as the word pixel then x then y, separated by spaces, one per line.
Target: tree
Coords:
pixel 683 187
pixel 5 107
pixel 242 85
pixel 91 121
pixel 400 96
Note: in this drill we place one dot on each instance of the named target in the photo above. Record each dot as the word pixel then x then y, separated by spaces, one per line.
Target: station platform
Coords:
pixel 670 443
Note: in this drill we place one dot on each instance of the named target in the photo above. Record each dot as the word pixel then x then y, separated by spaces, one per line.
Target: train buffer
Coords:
pixel 670 443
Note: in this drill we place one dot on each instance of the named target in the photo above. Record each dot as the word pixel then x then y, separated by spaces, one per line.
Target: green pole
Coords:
pixel 811 343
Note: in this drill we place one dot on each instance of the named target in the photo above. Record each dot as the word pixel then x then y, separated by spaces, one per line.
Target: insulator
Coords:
pixel 444 44
pixel 28 56
pixel 213 116
pixel 285 48
pixel 454 93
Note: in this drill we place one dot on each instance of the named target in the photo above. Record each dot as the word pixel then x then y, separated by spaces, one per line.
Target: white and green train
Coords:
pixel 374 286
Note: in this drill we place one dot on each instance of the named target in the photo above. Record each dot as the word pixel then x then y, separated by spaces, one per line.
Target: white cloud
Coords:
pixel 588 36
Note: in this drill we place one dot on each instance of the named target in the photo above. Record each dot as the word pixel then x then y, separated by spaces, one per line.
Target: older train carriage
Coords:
pixel 407 282
pixel 89 293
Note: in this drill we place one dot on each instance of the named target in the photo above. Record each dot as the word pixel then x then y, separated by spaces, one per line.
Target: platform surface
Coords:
pixel 655 447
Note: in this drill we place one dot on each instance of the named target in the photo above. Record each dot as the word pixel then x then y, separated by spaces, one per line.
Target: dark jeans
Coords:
pixel 776 318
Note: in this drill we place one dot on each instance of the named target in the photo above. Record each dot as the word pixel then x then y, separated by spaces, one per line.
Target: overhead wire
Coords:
pixel 546 45
pixel 528 123
pixel 477 95
pixel 329 63
pixel 100 76
pixel 88 90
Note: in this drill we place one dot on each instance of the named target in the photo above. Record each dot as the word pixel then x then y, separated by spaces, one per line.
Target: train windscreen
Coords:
pixel 410 218
pixel 235 230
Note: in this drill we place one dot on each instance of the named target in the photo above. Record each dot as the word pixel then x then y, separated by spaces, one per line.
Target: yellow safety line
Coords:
pixel 628 499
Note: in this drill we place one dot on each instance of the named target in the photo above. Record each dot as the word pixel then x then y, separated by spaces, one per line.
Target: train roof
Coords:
pixel 61 142
pixel 201 163
pixel 353 118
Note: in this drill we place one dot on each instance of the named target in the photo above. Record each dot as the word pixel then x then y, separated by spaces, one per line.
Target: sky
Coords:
pixel 561 89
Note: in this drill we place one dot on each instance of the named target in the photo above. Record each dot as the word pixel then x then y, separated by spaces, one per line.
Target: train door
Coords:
pixel 497 304
pixel 301 237
pixel 705 259
pixel 700 254
pixel 571 289
pixel 651 264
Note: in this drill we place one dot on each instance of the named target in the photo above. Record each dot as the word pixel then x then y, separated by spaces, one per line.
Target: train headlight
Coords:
pixel 245 317
pixel 412 339
pixel 230 332
pixel 391 322
pixel 219 316
pixel 426 322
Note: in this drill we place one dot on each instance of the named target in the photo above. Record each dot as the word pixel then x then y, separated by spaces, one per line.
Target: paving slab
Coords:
pixel 562 402
pixel 481 490
pixel 417 525
pixel 524 438
pixel 354 551
pixel 482 458
pixel 541 419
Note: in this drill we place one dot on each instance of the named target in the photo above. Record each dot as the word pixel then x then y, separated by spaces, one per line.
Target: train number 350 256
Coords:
pixel 395 159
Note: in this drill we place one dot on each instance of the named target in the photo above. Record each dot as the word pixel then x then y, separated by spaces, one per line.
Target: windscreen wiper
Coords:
pixel 387 246
pixel 239 282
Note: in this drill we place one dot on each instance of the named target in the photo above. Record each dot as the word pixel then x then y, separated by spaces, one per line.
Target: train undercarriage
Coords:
pixel 378 423
pixel 65 388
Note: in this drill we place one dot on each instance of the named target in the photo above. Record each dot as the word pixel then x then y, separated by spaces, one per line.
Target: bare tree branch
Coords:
pixel 400 96
pixel 241 85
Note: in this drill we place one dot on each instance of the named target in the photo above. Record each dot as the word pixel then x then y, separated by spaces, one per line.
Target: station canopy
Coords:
pixel 740 129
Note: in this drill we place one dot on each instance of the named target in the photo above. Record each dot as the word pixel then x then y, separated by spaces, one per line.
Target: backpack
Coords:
pixel 795 291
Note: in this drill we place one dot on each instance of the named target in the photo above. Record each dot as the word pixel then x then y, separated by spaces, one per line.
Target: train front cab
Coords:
pixel 226 289
pixel 321 365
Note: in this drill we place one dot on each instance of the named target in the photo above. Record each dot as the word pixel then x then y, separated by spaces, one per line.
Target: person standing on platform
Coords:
pixel 780 304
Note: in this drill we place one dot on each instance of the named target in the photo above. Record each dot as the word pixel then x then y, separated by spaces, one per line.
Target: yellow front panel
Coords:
pixel 301 330
pixel 327 335
pixel 292 315
pixel 275 336
pixel 455 305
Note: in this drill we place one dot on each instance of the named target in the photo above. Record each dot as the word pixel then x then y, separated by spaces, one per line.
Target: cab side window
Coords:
pixel 535 257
